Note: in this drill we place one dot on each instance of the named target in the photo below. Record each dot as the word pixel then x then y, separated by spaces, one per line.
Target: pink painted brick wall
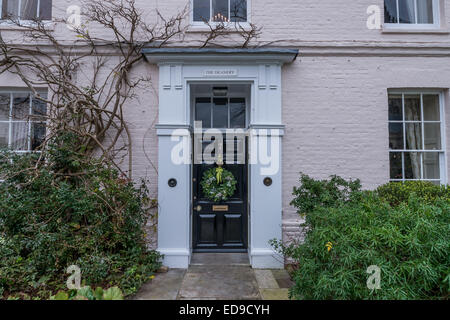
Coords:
pixel 334 105
pixel 335 109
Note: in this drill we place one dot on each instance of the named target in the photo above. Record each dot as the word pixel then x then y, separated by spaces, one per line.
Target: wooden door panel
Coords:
pixel 233 228
pixel 207 226
pixel 220 226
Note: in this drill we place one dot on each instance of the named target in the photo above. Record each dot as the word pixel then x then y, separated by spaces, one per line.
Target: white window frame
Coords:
pixel 417 26
pixel 21 20
pixel 30 121
pixel 213 23
pixel 228 97
pixel 442 153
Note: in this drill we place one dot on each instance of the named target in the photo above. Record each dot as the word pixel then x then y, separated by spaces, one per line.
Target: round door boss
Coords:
pixel 172 183
pixel 267 181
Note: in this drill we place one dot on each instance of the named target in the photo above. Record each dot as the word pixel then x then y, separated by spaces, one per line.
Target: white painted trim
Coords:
pixel 265 212
pixel 22 22
pixel 262 258
pixel 201 24
pixel 219 59
pixel 417 26
pixel 29 121
pixel 444 163
pixel 176 258
pixel 442 152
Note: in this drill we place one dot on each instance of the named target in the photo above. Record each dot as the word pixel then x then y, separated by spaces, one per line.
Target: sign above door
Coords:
pixel 220 73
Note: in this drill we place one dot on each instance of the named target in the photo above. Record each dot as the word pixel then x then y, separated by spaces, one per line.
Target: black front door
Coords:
pixel 221 227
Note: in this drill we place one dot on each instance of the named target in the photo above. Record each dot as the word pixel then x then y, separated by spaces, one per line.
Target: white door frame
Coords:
pixel 178 68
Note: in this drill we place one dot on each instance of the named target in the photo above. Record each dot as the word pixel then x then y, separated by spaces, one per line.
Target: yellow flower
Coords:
pixel 329 245
pixel 151 277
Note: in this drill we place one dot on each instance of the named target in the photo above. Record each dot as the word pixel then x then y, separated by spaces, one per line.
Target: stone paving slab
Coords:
pixel 218 277
pixel 265 279
pixel 274 294
pixel 280 274
pixel 283 278
pixel 219 282
pixel 285 283
pixel 165 286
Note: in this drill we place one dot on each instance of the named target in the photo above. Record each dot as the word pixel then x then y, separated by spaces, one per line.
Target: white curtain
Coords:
pixel 4 134
pixel 414 136
pixel 10 9
pixel 406 11
pixel 28 10
pixel 19 141
pixel 424 11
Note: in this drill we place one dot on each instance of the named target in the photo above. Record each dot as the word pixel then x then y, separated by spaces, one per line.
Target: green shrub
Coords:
pixel 86 293
pixel 314 193
pixel 408 241
pixel 70 211
pixel 397 192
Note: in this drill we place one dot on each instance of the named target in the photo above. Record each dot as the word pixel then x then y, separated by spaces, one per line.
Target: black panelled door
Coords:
pixel 221 227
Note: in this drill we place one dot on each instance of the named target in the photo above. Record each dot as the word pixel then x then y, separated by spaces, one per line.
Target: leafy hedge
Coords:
pixel 396 193
pixel 69 211
pixel 401 228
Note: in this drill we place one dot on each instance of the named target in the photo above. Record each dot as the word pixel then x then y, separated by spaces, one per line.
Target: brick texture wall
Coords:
pixel 334 95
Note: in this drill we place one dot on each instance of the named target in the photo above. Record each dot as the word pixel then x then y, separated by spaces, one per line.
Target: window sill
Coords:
pixel 8 26
pixel 229 27
pixel 414 30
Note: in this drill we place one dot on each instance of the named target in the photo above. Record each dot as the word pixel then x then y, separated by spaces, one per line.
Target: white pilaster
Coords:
pixel 262 69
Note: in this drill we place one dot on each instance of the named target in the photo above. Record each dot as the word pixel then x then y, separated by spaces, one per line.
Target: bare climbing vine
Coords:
pixel 90 80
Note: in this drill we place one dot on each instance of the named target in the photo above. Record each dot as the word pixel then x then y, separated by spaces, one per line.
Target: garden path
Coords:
pixel 214 276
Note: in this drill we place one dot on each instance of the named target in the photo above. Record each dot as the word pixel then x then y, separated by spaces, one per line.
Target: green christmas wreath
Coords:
pixel 218 184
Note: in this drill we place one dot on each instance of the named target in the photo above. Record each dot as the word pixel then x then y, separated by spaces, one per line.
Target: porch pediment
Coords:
pixel 227 55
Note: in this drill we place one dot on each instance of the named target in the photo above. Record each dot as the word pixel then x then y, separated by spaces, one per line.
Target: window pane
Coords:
pixel 28 10
pixel 395 159
pixel 413 136
pixel 220 10
pixel 10 9
pixel 4 106
pixel 432 136
pixel 220 113
pixel 201 10
pixel 390 11
pixel 4 134
pixel 238 10
pixel 237 113
pixel 19 139
pixel 431 167
pixel 203 111
pixel 412 165
pixel 396 141
pixel 395 107
pixel 38 109
pixel 425 11
pixel 45 10
pixel 21 106
pixel 37 135
pixel 406 11
pixel 412 107
pixel 431 109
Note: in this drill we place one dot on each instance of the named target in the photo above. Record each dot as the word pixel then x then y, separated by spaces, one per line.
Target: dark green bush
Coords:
pixel 70 211
pixel 329 193
pixel 409 241
pixel 397 192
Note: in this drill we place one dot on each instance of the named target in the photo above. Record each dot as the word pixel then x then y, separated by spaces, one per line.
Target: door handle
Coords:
pixel 198 208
